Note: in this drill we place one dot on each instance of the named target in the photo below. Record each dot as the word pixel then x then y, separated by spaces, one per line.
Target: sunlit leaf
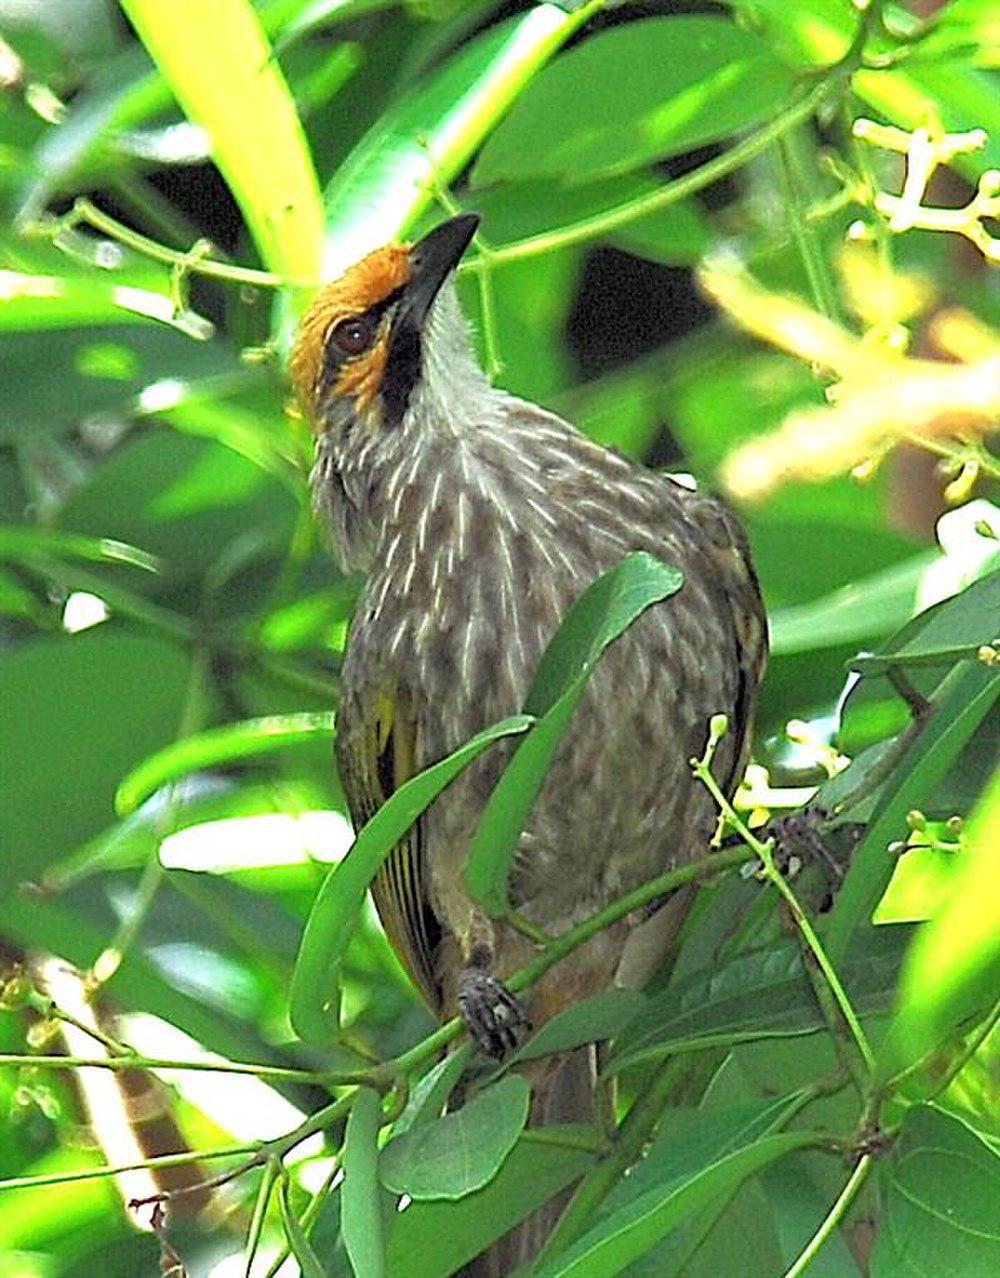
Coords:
pixel 655 88
pixel 218 746
pixel 953 969
pixel 389 178
pixel 965 698
pixel 219 64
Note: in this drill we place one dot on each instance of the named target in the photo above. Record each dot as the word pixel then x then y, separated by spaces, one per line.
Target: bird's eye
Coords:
pixel 354 335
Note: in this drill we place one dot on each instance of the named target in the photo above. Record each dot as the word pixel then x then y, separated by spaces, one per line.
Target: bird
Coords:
pixel 477 519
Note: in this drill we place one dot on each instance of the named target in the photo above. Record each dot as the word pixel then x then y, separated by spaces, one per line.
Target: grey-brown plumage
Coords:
pixel 478 519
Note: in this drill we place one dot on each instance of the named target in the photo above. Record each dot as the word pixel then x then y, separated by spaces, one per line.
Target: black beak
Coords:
pixel 433 259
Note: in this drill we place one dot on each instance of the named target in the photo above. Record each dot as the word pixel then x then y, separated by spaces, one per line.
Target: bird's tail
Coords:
pixel 564 1094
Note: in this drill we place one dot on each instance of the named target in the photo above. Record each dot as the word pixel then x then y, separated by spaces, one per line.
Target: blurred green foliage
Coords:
pixel 169 612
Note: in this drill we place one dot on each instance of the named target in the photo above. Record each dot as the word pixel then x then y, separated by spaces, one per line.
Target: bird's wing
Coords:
pixel 377 753
pixel 737 580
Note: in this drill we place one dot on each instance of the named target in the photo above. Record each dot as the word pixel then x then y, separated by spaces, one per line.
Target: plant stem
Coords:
pixel 129 1062
pixel 611 220
pixel 833 1216
pixel 807 241
pixel 632 1135
pixel 702 770
pixel 558 949
pixel 97 1173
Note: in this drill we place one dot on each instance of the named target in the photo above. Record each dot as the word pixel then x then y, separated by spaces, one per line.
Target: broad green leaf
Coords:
pixel 430 135
pixel 953 968
pixel 871 606
pixel 655 88
pixel 940 1188
pixel 431 1093
pixel 461 1152
pixel 361 1205
pixel 219 64
pixel 969 29
pixel 65 745
pixel 600 1017
pixel 761 994
pixel 626 1234
pixel 965 697
pixel 189 502
pixel 947 632
pixel 21 542
pixel 819 32
pixel 302 1248
pixel 434 1238
pixel 217 746
pixel 54 378
pixel 603 612
pixel 315 996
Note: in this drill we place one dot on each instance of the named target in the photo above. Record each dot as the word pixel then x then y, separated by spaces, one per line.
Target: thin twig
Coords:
pixel 765 851
pixel 834 1216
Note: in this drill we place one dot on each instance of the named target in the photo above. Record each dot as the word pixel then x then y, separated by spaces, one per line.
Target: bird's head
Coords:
pixel 362 346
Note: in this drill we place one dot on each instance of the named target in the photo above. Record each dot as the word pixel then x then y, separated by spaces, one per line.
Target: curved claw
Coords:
pixel 495 1018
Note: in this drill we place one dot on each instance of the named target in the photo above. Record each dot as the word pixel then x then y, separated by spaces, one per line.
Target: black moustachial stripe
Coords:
pixel 402 369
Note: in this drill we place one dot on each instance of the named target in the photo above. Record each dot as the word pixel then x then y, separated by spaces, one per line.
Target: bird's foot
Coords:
pixel 495 1018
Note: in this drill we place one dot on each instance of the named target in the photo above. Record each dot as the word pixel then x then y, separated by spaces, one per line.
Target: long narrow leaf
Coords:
pixel 964 699
pixel 217 746
pixel 619 1239
pixel 361 1202
pixel 390 177
pixel 315 997
pixel 604 611
pixel 221 68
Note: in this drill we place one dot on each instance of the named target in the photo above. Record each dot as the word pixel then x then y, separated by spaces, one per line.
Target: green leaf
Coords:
pixel 762 994
pixel 429 136
pixel 654 88
pixel 21 543
pixel 429 1097
pixel 302 1248
pixel 361 1208
pixel 624 1235
pixel 315 995
pixel 953 968
pixel 603 612
pixel 221 68
pixel 690 1140
pixel 592 1020
pixel 871 606
pixel 434 1238
pixel 461 1152
pixel 940 1188
pixel 64 745
pixel 55 378
pixel 965 697
pixel 942 634
pixel 217 746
